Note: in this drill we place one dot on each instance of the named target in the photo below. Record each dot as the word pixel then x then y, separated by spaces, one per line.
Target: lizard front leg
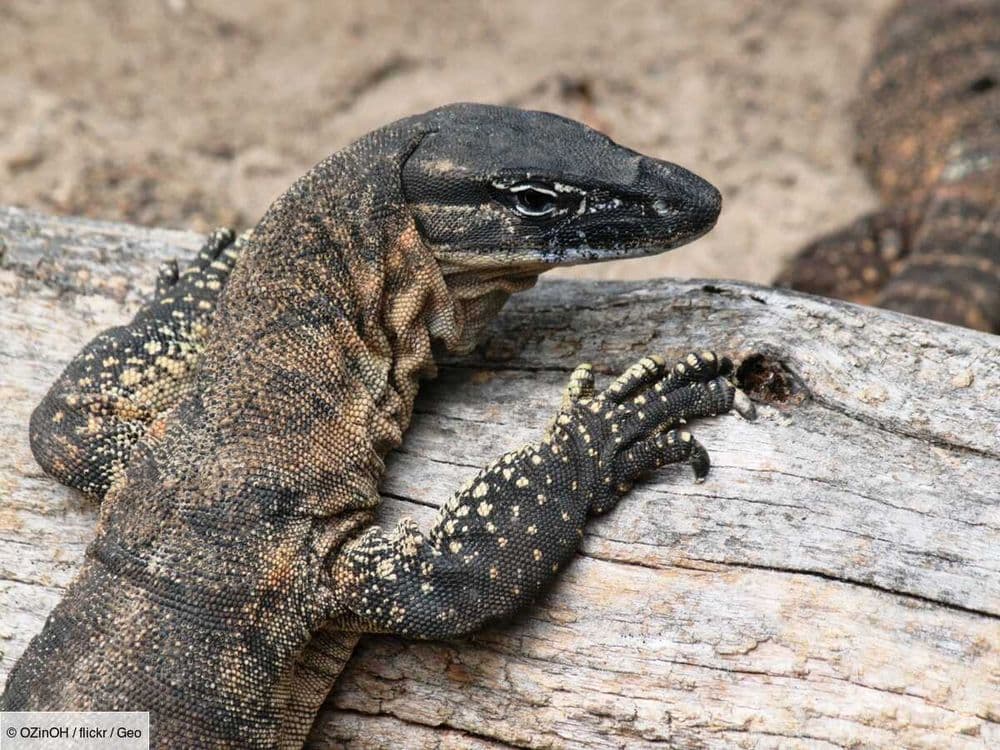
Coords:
pixel 84 429
pixel 503 537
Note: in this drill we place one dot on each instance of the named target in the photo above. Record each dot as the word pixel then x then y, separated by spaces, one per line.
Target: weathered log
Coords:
pixel 835 582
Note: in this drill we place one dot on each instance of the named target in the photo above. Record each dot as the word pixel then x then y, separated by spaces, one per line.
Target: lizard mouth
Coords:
pixel 577 256
pixel 670 207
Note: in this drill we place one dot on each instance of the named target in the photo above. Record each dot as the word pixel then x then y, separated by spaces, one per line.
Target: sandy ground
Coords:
pixel 192 114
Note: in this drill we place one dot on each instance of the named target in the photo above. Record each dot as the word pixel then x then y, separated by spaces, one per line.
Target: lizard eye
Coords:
pixel 531 199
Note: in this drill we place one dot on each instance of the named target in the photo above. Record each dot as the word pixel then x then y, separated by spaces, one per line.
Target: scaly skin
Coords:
pixel 928 134
pixel 238 450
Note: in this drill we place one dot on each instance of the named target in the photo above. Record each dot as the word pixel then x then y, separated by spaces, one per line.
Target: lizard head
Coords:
pixel 493 186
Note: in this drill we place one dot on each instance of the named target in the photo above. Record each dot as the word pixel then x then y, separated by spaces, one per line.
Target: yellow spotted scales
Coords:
pixel 235 430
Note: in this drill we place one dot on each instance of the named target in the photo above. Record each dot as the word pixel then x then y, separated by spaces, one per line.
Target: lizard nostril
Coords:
pixel 679 192
pixel 664 207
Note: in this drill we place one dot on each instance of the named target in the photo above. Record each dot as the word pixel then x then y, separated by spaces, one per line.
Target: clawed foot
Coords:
pixel 195 290
pixel 630 428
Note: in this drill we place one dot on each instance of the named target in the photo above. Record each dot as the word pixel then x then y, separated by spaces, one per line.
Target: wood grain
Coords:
pixel 834 583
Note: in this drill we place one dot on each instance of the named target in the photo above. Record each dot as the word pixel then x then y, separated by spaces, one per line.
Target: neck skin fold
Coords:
pixel 326 327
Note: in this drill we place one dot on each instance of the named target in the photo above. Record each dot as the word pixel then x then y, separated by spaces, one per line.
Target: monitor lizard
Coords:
pixel 929 135
pixel 235 430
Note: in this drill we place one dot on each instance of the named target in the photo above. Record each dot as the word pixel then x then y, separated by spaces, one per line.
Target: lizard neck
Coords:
pixel 332 312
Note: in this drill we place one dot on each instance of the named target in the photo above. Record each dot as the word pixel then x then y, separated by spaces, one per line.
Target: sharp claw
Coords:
pixel 744 406
pixel 700 462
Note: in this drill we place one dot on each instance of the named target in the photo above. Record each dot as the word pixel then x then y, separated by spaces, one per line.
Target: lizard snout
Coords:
pixel 680 194
pixel 686 205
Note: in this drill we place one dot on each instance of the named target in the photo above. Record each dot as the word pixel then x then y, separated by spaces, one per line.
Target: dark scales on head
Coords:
pixel 235 430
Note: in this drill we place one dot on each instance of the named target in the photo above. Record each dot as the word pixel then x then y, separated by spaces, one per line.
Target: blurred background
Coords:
pixel 190 113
